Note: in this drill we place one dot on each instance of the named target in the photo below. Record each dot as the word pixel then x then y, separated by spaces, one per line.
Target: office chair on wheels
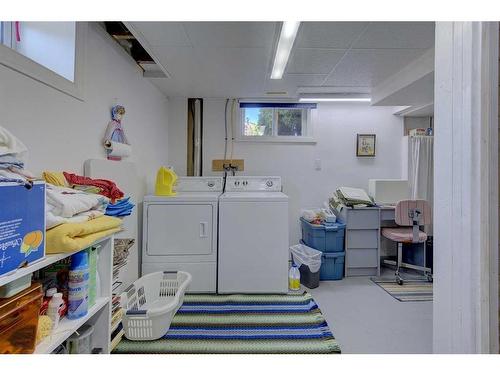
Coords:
pixel 410 215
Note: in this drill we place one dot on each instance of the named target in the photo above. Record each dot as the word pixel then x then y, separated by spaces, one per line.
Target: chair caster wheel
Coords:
pixel 430 278
pixel 399 281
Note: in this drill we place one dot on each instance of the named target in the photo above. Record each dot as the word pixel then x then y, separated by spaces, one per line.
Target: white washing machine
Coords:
pixel 253 236
pixel 180 232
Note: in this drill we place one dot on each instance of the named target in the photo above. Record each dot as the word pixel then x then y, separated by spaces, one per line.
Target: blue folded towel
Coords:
pixel 120 208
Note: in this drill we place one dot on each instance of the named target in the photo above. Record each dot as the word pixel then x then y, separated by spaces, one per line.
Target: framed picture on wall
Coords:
pixel 365 145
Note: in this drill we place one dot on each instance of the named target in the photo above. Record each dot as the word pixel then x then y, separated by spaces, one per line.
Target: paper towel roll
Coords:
pixel 117 149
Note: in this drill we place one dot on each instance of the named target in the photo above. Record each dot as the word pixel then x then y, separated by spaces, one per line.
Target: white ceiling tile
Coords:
pixel 163 33
pixel 334 89
pixel 328 34
pixel 184 68
pixel 370 67
pixel 313 60
pixel 397 35
pixel 233 63
pixel 181 61
pixel 291 82
pixel 233 69
pixel 305 79
pixel 232 59
pixel 214 72
pixel 231 34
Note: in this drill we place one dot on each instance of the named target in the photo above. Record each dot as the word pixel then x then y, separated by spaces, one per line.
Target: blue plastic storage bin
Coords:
pixel 328 237
pixel 332 266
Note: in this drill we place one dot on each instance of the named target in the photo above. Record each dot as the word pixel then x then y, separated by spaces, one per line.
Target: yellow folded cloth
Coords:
pixel 55 178
pixel 74 236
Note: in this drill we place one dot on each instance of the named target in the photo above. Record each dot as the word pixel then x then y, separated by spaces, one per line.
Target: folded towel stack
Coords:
pixel 66 205
pixel 73 236
pixel 107 188
pixel 12 151
pixel 76 199
pixel 8 161
pixel 75 219
pixel 120 208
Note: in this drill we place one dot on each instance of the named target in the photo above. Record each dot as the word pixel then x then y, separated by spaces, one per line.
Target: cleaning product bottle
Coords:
pixel 56 302
pixel 166 178
pixel 46 299
pixel 78 285
pixel 294 277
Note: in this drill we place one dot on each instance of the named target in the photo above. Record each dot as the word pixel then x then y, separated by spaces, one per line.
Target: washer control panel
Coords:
pixel 198 184
pixel 253 183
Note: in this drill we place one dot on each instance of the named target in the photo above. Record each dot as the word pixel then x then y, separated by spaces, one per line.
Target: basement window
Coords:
pixel 49 52
pixel 276 122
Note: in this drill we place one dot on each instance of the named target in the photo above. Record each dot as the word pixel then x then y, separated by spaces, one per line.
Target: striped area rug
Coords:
pixel 243 324
pixel 410 291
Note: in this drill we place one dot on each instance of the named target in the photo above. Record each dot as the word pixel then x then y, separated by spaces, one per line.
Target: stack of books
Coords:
pixel 120 254
pixel 116 322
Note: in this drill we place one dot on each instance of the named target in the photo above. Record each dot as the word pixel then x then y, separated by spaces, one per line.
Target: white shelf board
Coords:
pixel 44 262
pixel 67 327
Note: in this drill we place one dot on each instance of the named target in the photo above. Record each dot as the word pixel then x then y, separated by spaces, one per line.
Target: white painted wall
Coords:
pixel 335 129
pixel 61 132
pixel 465 307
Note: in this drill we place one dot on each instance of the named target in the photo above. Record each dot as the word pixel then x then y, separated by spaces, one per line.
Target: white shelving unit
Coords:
pixel 67 327
pixel 99 315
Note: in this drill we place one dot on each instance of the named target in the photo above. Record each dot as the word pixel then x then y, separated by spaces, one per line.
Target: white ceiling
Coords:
pixel 234 59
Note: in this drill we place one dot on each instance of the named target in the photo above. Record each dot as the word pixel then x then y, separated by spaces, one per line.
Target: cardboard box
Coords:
pixel 22 225
pixel 417 131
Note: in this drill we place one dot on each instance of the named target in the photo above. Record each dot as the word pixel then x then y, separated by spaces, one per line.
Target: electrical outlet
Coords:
pixel 218 164
pixel 317 164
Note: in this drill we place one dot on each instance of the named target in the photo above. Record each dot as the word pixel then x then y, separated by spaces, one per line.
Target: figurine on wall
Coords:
pixel 115 140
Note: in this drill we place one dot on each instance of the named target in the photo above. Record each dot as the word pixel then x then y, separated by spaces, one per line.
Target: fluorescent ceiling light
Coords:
pixel 285 44
pixel 335 98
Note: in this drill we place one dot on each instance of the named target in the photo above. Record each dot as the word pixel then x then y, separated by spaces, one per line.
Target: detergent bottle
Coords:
pixel 165 181
pixel 55 304
pixel 78 285
pixel 294 278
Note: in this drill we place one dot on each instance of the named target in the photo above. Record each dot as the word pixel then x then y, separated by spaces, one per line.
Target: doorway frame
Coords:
pixel 465 308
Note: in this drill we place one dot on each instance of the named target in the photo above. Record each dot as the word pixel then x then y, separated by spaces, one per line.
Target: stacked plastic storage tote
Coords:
pixel 329 239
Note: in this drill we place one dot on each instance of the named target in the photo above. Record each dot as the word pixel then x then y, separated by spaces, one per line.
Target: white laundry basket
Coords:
pixel 151 302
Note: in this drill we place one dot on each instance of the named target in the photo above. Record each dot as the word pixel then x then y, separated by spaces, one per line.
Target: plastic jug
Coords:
pixel 56 302
pixel 294 278
pixel 78 285
pixel 165 181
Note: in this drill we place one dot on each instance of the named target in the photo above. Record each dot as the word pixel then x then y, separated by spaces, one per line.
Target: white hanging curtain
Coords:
pixel 421 169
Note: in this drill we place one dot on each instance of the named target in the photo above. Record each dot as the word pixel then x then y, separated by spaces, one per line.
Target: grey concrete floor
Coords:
pixel 366 319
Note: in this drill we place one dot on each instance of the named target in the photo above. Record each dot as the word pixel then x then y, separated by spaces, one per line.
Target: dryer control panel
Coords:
pixel 198 184
pixel 253 183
